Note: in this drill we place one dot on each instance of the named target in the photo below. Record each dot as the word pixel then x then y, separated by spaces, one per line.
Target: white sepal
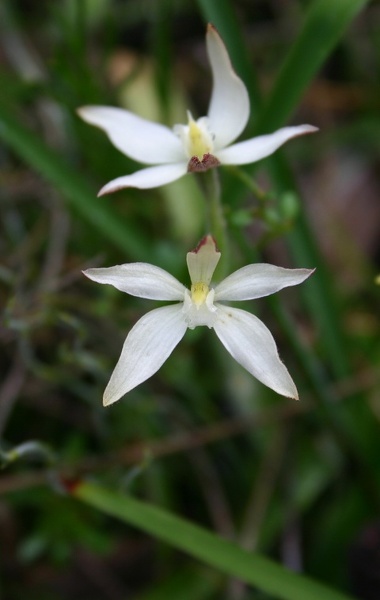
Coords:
pixel 140 279
pixel 142 140
pixel 258 280
pixel 148 345
pixel 146 178
pixel 229 105
pixel 251 344
pixel 260 147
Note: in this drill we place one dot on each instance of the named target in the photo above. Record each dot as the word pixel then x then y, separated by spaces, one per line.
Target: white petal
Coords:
pixel 142 140
pixel 140 279
pixel 260 147
pixel 146 178
pixel 251 344
pixel 149 343
pixel 258 280
pixel 229 105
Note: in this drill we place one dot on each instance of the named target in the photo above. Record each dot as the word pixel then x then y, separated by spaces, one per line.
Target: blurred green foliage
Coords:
pixel 297 482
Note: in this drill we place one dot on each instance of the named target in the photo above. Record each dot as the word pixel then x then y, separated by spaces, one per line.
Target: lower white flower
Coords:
pixel 154 337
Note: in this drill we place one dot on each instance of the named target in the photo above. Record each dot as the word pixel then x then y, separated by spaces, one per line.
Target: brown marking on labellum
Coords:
pixel 70 484
pixel 209 161
pixel 203 242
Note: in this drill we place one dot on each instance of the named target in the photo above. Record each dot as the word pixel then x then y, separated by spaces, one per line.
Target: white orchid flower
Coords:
pixel 197 146
pixel 154 337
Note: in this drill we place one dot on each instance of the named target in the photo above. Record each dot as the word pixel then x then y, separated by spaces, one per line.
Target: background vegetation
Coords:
pixel 296 482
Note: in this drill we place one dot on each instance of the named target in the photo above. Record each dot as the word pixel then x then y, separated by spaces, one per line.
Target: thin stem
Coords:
pixel 215 217
pixel 250 183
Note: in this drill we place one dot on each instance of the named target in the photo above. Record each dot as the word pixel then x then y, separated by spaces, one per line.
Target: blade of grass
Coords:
pixel 186 584
pixel 345 431
pixel 204 545
pixel 161 21
pixel 320 295
pixel 324 24
pixel 100 215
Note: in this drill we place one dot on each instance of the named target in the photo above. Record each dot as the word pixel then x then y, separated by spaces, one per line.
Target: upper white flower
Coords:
pixel 154 337
pixel 197 146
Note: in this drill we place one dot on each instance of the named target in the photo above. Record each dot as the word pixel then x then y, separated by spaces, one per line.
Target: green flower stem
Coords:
pixel 204 545
pixel 215 219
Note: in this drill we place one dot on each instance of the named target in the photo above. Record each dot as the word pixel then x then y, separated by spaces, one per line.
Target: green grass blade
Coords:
pixel 187 584
pixel 325 23
pixel 97 212
pixel 320 295
pixel 205 546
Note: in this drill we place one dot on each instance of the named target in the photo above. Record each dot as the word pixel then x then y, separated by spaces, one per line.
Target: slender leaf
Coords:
pixel 186 584
pixel 325 23
pixel 205 546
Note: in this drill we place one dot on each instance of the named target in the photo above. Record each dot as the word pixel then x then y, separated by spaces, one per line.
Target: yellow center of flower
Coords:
pixel 199 293
pixel 198 142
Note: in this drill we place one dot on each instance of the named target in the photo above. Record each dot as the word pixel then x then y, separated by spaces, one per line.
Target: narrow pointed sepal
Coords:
pixel 251 344
pixel 258 280
pixel 139 279
pixel 148 345
pixel 147 142
pixel 146 178
pixel 228 112
pixel 260 147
